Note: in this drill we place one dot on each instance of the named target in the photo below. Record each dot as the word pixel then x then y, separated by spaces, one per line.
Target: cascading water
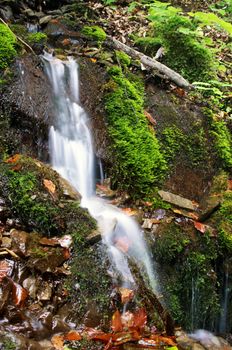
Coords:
pixel 72 156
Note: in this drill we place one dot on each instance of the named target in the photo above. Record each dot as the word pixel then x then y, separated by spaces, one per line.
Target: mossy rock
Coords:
pixel 8 45
pixel 95 33
pixel 38 197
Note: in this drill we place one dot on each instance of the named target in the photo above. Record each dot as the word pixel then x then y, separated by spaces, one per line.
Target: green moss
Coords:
pixel 193 143
pixel 123 58
pixel 149 45
pixel 37 38
pixel 94 32
pixel 183 52
pixel 222 139
pixel 7 46
pixel 23 187
pixel 171 243
pixel 139 164
pixel 8 344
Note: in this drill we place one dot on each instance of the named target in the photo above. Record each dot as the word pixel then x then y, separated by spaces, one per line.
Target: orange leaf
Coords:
pixel 126 294
pixel 93 60
pixel 140 318
pixel 66 253
pixel 13 159
pixel 116 324
pixel 95 334
pixel 122 243
pixel 160 339
pixel 125 337
pixel 5 268
pixel 129 211
pixel 199 226
pixel 19 294
pixel 58 341
pixel 72 335
pixel 49 186
pixel 150 118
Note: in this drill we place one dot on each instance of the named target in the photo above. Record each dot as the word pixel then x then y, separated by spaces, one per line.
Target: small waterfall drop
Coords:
pixel 72 155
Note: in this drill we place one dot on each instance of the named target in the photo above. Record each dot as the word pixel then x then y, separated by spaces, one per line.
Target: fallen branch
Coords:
pixel 148 62
pixel 18 38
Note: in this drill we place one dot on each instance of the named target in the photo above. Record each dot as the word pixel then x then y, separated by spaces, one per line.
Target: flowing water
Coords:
pixel 72 155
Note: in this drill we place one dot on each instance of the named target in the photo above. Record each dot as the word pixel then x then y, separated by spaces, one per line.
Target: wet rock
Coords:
pixel 94 237
pixel 6 242
pixel 5 291
pixel 177 200
pixel 45 293
pixel 26 102
pixel 6 13
pixel 32 285
pixel 59 325
pixel 19 241
pixel 44 20
pixel 68 190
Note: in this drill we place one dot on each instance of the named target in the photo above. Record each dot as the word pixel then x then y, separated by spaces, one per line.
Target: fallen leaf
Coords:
pixel 58 341
pixel 5 269
pixel 116 323
pixel 125 337
pixel 163 340
pixel 50 186
pixel 19 294
pixel 199 226
pixel 66 253
pixel 94 334
pixel 72 335
pixel 93 60
pixel 140 318
pixel 13 159
pixel 126 294
pixel 129 211
pixel 150 118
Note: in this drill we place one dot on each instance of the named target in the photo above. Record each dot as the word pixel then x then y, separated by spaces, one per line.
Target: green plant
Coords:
pixel 94 32
pixel 207 18
pixel 183 51
pixel 8 344
pixel 123 58
pixel 37 37
pixel 7 46
pixel 139 163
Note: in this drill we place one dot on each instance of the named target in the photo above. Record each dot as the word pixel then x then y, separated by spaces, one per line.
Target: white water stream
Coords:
pixel 72 155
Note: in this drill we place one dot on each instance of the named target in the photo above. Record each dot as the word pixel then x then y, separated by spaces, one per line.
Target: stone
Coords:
pixel 32 285
pixel 47 259
pixel 19 241
pixel 45 20
pixel 68 190
pixel 29 12
pixel 178 200
pixel 45 293
pixel 94 237
pixel 6 242
pixel 6 13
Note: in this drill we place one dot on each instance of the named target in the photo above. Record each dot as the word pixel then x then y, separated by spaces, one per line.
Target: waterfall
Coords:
pixel 72 155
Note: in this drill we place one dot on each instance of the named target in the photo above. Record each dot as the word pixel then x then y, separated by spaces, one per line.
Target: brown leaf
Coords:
pixel 95 334
pixel 163 340
pixel 19 294
pixel 5 269
pixel 49 241
pixel 150 118
pixel 66 253
pixel 72 335
pixel 50 186
pixel 129 211
pixel 58 341
pixel 125 337
pixel 116 323
pixel 140 318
